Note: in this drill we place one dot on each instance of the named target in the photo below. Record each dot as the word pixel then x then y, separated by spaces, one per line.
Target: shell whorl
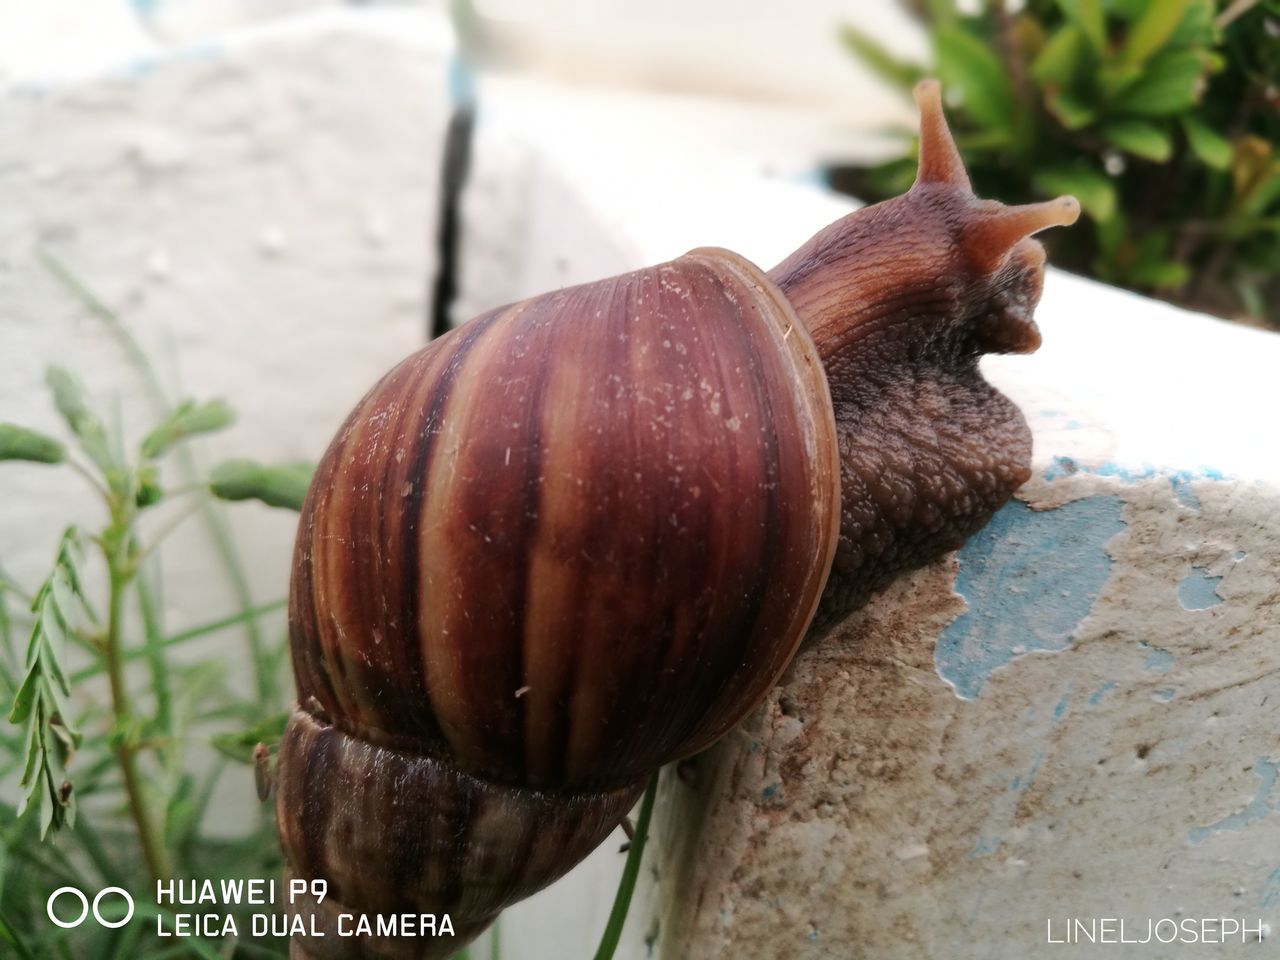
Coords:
pixel 394 832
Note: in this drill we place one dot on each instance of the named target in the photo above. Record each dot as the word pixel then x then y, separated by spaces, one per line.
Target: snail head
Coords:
pixel 963 272
pixel 902 299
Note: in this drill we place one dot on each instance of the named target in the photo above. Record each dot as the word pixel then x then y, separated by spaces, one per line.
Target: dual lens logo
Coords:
pixel 85 908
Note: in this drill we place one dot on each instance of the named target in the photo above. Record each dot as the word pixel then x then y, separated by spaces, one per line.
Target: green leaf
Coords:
pixel 941 12
pixel 276 486
pixel 1114 76
pixel 40 702
pixel 1061 57
pixel 188 420
pixel 149 491
pixel 1255 174
pixel 1094 189
pixel 1087 15
pixel 22 443
pixel 970 66
pixel 1071 112
pixel 1172 82
pixel 69 398
pixel 1128 10
pixel 878 60
pixel 1263 196
pixel 25 698
pixel 1197 27
pixel 239 746
pixel 1153 28
pixel 1213 149
pixel 1139 138
pixel 9 936
pixel 1160 274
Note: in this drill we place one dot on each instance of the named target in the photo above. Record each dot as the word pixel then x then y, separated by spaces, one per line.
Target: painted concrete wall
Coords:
pixel 1075 717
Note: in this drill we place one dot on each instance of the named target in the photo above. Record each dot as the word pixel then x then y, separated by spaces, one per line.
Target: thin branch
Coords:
pixel 1234 12
pixel 171 523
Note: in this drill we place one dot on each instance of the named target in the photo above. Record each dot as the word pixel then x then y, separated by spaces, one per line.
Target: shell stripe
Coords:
pixel 604 541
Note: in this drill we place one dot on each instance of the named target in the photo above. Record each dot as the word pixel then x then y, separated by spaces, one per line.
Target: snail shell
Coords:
pixel 563 545
pixel 582 535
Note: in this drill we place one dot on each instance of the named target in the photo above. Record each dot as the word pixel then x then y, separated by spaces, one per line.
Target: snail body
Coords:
pixel 581 536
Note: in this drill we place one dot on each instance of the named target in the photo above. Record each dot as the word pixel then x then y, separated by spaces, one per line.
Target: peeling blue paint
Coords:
pixel 1164 696
pixel 1270 889
pixel 986 845
pixel 1021 783
pixel 1069 466
pixel 1199 590
pixel 1267 772
pixel 977 904
pixel 1097 695
pixel 810 177
pixel 1182 491
pixel 145 9
pixel 1060 709
pixel 462 85
pixel 1239 555
pixel 1179 480
pixel 1029 577
pixel 1159 659
pixel 768 792
pixel 989 839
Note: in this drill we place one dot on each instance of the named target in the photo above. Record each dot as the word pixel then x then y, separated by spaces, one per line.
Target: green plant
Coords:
pixel 1161 116
pixel 117 766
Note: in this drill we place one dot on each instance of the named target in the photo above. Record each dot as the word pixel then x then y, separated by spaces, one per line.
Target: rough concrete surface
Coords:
pixel 868 810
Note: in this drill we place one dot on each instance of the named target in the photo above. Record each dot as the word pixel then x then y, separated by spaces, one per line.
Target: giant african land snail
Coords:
pixel 582 535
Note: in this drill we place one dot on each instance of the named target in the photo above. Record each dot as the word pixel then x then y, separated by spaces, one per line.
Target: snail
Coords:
pixel 582 535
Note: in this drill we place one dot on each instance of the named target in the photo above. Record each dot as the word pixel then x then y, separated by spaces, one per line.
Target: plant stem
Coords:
pixel 1233 11
pixel 166 527
pixel 90 478
pixel 265 684
pixel 154 650
pixel 630 872
pixel 115 550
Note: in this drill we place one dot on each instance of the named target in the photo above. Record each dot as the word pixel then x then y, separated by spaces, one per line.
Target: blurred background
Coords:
pixel 1161 115
pixel 272 201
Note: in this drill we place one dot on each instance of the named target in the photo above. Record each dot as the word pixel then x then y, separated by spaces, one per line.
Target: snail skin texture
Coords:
pixel 581 536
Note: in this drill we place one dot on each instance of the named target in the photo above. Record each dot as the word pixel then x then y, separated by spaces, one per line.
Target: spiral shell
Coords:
pixel 572 540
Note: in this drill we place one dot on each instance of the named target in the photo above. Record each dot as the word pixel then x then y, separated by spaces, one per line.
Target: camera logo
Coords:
pixel 85 908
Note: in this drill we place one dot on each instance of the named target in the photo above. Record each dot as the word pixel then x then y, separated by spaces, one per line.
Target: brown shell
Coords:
pixel 578 537
pixel 393 832
pixel 575 539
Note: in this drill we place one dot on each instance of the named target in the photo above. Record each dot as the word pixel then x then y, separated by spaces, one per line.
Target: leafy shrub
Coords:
pixel 1161 116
